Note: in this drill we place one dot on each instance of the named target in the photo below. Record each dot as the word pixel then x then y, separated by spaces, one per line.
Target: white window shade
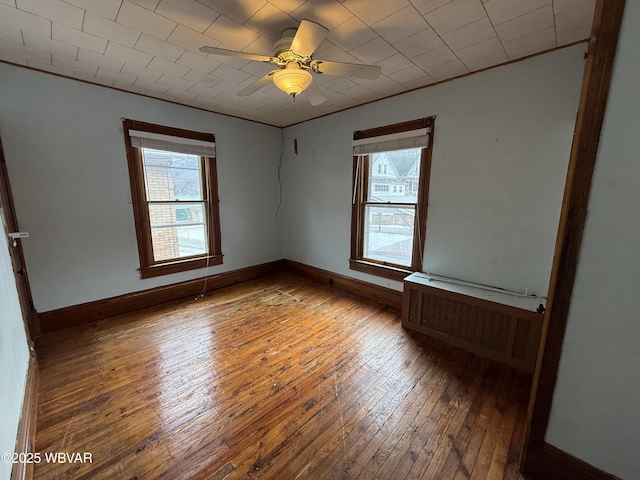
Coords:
pixel 394 141
pixel 157 141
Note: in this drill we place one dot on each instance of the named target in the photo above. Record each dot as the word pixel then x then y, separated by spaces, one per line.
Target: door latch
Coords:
pixel 15 235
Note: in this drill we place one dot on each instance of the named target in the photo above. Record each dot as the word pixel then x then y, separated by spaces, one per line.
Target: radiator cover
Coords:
pixel 491 329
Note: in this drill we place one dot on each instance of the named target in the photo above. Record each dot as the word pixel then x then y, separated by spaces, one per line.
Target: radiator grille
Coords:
pixel 486 328
pixel 521 340
pixel 413 306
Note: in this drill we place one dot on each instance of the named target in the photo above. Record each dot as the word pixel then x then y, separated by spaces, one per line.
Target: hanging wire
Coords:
pixel 279 178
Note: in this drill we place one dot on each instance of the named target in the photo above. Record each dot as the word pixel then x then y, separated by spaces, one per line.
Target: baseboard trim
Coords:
pixel 26 437
pixel 89 312
pixel 551 463
pixel 384 295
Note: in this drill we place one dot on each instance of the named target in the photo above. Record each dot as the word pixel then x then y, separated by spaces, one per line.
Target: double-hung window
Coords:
pixel 391 168
pixel 175 199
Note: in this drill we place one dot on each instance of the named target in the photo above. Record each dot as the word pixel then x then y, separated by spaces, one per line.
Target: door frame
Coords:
pixel 540 459
pixel 29 314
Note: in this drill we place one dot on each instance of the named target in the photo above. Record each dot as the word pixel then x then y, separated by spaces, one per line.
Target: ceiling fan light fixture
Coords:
pixel 292 80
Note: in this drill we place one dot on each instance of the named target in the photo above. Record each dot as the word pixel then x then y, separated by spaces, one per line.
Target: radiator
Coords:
pixel 487 326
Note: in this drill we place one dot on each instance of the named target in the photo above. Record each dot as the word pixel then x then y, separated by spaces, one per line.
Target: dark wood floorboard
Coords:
pixel 277 378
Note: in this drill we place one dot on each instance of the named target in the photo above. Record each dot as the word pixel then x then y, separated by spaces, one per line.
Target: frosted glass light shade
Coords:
pixel 292 80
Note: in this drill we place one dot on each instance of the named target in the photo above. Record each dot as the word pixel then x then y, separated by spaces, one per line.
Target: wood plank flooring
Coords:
pixel 277 378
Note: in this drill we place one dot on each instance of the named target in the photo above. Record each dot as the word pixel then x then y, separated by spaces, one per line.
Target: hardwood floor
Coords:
pixel 277 378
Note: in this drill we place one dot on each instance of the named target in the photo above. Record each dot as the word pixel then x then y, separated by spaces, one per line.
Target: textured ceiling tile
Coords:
pixel 527 24
pixel 455 14
pixel 205 90
pixel 180 94
pixel 502 10
pixel 351 34
pixel 158 48
pixel 127 54
pixel 17 20
pixel 144 20
pixel 190 39
pixel 20 51
pixel 488 48
pixel 529 44
pixel 394 63
pixel 113 64
pixel 55 10
pixel 168 67
pixel 419 43
pixel 419 83
pixel 426 6
pixel 173 81
pixel 575 35
pixel 104 8
pixel 371 14
pixel 574 18
pixel 333 53
pixel 190 13
pixel 231 33
pixel 257 69
pixel 469 34
pixel 39 42
pixel 562 5
pixel 496 58
pixel 230 74
pixel 261 45
pixel 200 62
pixel 407 75
pixel 74 65
pixel 327 13
pixel 140 72
pixel 10 33
pixel 373 51
pixel 151 87
pixel 240 11
pixel 448 70
pixel 115 76
pixel 102 27
pixel 75 37
pixel 434 58
pixel 338 84
pixel 400 25
pixel 287 6
pixel 148 4
pixel 270 22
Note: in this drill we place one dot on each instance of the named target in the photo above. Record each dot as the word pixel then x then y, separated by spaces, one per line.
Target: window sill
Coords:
pixel 179 266
pixel 380 270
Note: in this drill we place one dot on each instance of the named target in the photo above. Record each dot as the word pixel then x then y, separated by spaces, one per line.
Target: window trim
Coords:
pixel 148 266
pixel 360 175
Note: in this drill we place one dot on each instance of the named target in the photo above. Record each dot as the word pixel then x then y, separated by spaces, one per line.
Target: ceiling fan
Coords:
pixel 292 54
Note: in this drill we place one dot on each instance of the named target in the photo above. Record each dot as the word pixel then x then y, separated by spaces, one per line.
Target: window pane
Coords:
pixel 388 234
pixel 394 176
pixel 172 176
pixel 177 230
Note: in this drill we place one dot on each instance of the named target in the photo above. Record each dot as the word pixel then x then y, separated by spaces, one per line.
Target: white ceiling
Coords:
pixel 151 46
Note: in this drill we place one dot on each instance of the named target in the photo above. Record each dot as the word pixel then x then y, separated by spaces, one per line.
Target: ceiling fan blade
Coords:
pixel 314 94
pixel 370 72
pixel 308 37
pixel 257 85
pixel 234 53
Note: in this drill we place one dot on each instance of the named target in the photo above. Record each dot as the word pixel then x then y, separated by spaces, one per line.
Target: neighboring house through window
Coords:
pixel 391 168
pixel 175 197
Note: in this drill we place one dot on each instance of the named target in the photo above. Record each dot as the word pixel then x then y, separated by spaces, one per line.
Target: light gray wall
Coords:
pixel 14 354
pixel 595 414
pixel 65 154
pixel 500 153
